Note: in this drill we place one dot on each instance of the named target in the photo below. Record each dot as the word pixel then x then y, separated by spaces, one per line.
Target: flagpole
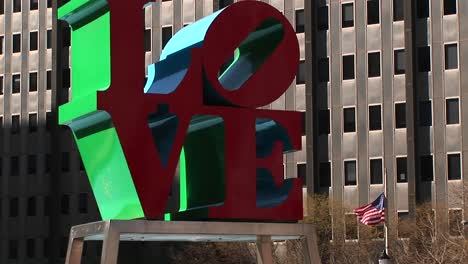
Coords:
pixel 384 258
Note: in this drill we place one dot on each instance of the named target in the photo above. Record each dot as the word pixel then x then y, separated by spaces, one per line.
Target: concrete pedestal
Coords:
pixel 112 232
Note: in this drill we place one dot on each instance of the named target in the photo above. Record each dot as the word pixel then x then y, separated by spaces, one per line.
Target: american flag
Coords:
pixel 373 213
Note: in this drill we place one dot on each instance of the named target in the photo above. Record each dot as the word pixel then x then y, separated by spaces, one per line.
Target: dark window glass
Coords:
pixel 16 83
pixel 398 10
pixel 424 58
pixel 31 209
pixel 425 113
pixel 15 124
pixel 400 115
pixel 33 81
pixel 33 4
pixel 1 85
pixel 302 173
pixel 304 124
pixel 400 61
pixel 350 172
pixel 147 40
pixel 300 78
pixel 454 166
pixel 450 7
pixel 2 7
pixel 2 38
pixel 348 67
pixel 16 43
pixel 49 39
pixel 49 3
pixel 49 124
pixel 325 174
pixel 14 166
pixel 83 203
pixel 82 168
pixel 323 70
pixel 13 207
pixel 12 249
pixel 376 171
pixel 401 169
pixel 349 119
pixel 66 78
pixel 225 3
pixel 456 222
pixel 66 41
pixel 49 80
pixel 375 119
pixel 65 161
pixel 33 40
pixel 451 56
pixel 31 164
pixel 374 64
pixel 324 122
pixel 16 6
pixel 30 248
pixel 47 206
pixel 46 248
pixel 166 35
pixel 300 21
pixel 351 226
pixel 65 204
pixel 452 112
pixel 427 168
pixel 322 18
pixel 373 12
pixel 347 15
pixel 48 163
pixel 423 8
pixel 63 247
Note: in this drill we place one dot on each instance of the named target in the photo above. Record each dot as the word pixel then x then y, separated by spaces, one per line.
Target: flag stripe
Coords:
pixel 373 213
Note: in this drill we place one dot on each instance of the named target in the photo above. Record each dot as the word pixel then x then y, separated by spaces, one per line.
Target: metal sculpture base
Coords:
pixel 112 232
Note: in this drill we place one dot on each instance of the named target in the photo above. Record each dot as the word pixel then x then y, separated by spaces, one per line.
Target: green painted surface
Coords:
pixel 96 138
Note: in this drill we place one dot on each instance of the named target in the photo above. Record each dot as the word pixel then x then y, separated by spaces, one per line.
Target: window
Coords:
pixel 147 40
pixel 13 207
pixel 376 171
pixel 224 3
pixel 66 34
pixel 83 203
pixel 31 164
pixel 400 61
pixel 2 7
pixel 373 12
pixel 322 18
pixel 300 78
pixel 304 124
pixel 30 248
pixel 452 111
pixel 398 10
pixel 46 248
pixel 166 35
pixel 33 40
pixel 300 21
pixel 456 222
pixel 16 43
pixel 65 161
pixel 351 226
pixel 33 4
pixel 302 173
pixel 427 168
pixel 12 249
pixel 325 174
pixel 375 119
pixel 451 56
pixel 16 83
pixel 14 166
pixel 49 121
pixel 425 113
pixel 423 8
pixel 401 169
pixel 31 209
pixel 424 58
pixel 33 81
pixel 348 67
pixel 350 172
pixel 454 167
pixel 374 64
pixel 49 39
pixel 49 80
pixel 65 204
pixel 48 163
pixel 323 70
pixel 47 206
pixel 49 3
pixel 349 119
pixel 400 115
pixel 82 168
pixel 347 15
pixel 324 122
pixel 1 85
pixel 2 38
pixel 66 78
pixel 16 6
pixel 450 7
pixel 15 124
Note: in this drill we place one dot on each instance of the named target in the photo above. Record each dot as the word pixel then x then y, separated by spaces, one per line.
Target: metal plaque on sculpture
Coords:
pixel 190 141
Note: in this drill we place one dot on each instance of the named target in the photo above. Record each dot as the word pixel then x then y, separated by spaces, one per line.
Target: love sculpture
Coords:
pixel 193 125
